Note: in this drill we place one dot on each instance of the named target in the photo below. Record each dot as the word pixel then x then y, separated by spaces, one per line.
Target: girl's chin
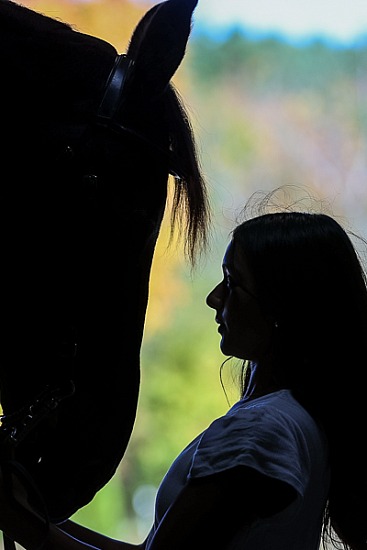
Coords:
pixel 229 351
pixel 226 349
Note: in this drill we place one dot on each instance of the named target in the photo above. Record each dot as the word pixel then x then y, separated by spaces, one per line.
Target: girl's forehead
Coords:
pixel 228 258
pixel 234 257
pixel 236 261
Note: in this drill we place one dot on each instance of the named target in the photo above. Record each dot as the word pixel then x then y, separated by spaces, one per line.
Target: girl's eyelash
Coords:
pixel 230 282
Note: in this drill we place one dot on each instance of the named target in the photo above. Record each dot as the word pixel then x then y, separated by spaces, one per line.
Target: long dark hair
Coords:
pixel 310 280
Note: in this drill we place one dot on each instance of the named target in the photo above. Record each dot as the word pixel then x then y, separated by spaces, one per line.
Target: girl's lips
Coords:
pixel 220 323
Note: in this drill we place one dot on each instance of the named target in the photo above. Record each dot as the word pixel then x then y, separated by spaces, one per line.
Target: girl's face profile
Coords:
pixel 245 331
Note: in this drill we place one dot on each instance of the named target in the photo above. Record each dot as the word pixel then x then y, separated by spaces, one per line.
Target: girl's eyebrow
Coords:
pixel 229 269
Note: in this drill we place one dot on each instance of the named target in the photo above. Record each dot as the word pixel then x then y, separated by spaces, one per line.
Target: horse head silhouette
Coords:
pixel 90 137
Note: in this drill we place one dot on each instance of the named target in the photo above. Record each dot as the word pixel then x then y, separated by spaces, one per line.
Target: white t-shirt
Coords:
pixel 275 435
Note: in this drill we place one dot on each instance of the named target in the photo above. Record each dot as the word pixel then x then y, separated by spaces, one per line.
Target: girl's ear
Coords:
pixel 158 44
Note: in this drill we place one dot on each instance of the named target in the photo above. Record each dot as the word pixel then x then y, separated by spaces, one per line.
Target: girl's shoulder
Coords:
pixel 273 434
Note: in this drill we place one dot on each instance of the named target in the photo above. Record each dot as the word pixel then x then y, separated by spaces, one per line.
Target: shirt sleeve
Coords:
pixel 267 440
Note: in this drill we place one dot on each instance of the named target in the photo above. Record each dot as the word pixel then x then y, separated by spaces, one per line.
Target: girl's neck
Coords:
pixel 261 381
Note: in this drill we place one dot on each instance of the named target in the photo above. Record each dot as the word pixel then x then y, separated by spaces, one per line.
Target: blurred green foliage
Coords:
pixel 264 64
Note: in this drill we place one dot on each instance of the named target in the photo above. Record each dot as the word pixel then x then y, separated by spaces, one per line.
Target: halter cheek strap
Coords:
pixel 106 117
pixel 114 88
pixel 111 102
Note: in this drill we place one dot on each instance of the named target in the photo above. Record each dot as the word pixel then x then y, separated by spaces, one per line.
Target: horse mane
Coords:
pixel 190 207
pixel 20 17
pixel 48 48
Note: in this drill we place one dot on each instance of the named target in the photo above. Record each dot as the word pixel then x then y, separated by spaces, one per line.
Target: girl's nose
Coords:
pixel 214 297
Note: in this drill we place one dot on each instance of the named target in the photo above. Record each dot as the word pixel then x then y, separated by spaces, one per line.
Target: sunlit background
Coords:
pixel 277 94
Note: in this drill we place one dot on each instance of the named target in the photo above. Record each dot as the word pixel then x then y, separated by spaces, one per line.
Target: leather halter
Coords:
pixel 111 102
pixel 113 94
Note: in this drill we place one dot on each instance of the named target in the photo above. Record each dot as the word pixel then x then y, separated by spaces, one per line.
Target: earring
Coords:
pixel 276 324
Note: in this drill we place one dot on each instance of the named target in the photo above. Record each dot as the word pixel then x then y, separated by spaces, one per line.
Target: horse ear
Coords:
pixel 158 44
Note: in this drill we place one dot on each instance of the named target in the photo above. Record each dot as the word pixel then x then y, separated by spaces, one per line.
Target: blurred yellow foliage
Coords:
pixel 111 20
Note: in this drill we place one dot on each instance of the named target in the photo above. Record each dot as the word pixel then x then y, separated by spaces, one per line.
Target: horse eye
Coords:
pixel 90 180
pixel 90 185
